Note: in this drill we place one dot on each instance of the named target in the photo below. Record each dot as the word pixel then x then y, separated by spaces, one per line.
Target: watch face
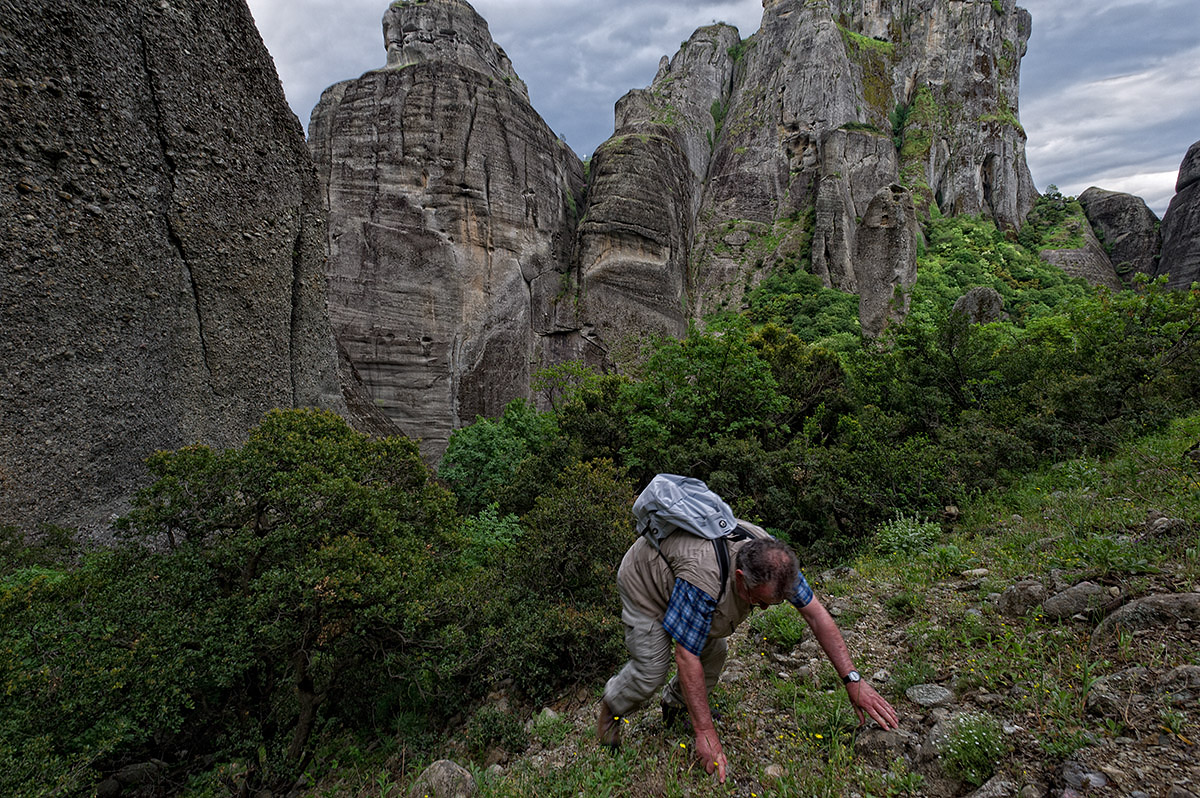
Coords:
pixel 852 676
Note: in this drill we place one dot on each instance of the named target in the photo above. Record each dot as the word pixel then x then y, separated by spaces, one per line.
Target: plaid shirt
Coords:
pixel 690 611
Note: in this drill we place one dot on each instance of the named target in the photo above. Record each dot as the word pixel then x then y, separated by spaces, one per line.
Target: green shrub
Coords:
pixel 482 459
pixel 489 536
pixel 973 748
pixel 294 579
pixel 493 727
pixel 551 611
pixel 906 534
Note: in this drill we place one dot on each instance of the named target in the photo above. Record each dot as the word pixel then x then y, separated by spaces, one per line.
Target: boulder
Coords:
pixel 1160 610
pixel 1116 694
pixel 164 248
pixel 980 305
pixel 443 779
pixel 1017 600
pixel 1089 262
pixel 1128 229
pixel 1081 598
pixel 929 695
pixel 1180 259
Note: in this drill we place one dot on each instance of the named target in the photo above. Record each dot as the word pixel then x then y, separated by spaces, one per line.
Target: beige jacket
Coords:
pixel 646 579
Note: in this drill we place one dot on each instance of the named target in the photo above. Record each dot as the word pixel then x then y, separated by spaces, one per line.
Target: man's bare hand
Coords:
pixel 867 702
pixel 710 753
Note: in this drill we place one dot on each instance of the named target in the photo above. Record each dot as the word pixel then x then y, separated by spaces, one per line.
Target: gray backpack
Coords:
pixel 671 503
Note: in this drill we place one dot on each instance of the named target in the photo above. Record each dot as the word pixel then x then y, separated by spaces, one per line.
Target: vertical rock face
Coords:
pixel 645 192
pixel 456 258
pixel 887 251
pixel 1181 226
pixel 828 103
pixel 162 274
pixel 1129 229
pixel 451 224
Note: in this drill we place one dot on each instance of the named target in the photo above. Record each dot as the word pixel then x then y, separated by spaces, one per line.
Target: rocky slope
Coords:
pixel 1087 675
pixel 163 259
pixel 452 209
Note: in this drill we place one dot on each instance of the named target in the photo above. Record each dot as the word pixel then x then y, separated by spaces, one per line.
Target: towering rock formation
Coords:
pixel 804 123
pixel 458 260
pixel 835 99
pixel 1181 226
pixel 452 210
pixel 162 268
pixel 646 187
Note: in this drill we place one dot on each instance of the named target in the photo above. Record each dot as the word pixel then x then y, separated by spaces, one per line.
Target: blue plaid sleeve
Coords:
pixel 689 616
pixel 803 594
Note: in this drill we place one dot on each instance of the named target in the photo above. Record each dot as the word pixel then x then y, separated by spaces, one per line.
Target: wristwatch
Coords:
pixel 852 676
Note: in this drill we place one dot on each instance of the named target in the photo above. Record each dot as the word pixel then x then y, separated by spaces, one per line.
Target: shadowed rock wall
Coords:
pixel 1181 226
pixel 162 274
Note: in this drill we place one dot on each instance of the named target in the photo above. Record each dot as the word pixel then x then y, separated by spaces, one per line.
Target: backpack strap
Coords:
pixel 721 546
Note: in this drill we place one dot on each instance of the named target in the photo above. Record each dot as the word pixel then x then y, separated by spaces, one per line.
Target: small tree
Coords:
pixel 307 574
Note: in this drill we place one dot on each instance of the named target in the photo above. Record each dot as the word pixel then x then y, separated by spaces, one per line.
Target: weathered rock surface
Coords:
pixel 1128 228
pixel 1089 262
pixel 1180 259
pixel 980 305
pixel 824 93
pixel 1081 598
pixel 646 184
pixel 1019 599
pixel 162 275
pixel 929 695
pixel 887 259
pixel 443 779
pixel 1164 609
pixel 451 220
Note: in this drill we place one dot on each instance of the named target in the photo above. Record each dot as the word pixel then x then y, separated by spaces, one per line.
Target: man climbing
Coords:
pixel 674 603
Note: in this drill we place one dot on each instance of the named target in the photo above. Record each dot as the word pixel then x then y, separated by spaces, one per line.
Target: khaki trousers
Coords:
pixel 651 653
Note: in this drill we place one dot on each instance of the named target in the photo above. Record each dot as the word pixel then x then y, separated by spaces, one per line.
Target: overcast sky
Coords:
pixel 1110 89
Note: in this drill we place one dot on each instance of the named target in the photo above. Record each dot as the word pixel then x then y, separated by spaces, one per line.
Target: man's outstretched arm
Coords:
pixel 695 693
pixel 862 695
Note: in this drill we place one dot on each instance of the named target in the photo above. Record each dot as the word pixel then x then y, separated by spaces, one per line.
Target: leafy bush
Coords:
pixel 489 536
pixel 264 590
pixel 550 613
pixel 906 534
pixel 482 459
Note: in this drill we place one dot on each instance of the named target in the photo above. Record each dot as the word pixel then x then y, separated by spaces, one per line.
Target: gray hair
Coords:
pixel 769 561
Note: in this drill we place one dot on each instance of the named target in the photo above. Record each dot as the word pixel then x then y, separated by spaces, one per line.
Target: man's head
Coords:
pixel 766 572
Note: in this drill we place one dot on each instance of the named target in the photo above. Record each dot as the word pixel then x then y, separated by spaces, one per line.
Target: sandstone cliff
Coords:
pixel 830 102
pixel 1180 259
pixel 451 224
pixel 465 251
pixel 838 99
pixel 162 275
